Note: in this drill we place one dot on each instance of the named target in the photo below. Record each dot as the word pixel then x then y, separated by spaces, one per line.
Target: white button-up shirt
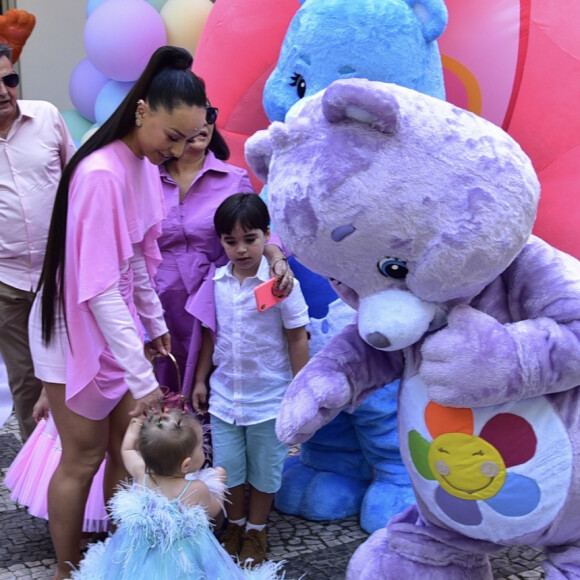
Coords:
pixel 251 349
pixel 32 157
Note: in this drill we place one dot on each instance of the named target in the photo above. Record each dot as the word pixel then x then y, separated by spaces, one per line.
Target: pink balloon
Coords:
pixel 85 84
pixel 121 35
pixel 235 77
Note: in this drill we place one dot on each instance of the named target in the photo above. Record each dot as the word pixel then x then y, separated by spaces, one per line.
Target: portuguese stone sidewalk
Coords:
pixel 314 550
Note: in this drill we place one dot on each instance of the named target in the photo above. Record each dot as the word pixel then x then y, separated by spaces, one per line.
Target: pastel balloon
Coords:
pixel 184 21
pixel 92 4
pixel 236 53
pixel 157 4
pixel 76 124
pixel 121 36
pixel 109 99
pixel 519 67
pixel 89 133
pixel 84 85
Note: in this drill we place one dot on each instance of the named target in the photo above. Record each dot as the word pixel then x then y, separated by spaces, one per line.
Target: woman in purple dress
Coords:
pixel 194 186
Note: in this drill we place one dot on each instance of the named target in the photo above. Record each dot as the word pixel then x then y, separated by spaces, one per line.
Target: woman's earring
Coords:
pixel 138 122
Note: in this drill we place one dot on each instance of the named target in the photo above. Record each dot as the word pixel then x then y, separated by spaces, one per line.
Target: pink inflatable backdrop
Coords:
pixel 515 62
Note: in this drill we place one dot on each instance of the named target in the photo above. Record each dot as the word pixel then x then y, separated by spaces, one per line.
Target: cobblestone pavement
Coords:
pixel 317 550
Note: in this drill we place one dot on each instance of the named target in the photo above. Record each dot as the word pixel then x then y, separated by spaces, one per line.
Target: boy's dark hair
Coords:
pixel 247 209
pixel 166 439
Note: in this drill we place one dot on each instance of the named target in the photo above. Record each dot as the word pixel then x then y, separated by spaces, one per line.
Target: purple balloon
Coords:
pixel 85 84
pixel 121 36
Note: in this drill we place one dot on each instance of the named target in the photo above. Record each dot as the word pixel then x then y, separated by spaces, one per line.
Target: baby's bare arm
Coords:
pixel 132 459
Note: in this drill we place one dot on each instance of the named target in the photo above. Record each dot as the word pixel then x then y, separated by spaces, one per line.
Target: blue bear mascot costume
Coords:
pixel 353 464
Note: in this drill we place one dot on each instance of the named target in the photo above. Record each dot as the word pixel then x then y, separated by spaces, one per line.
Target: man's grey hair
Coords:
pixel 6 50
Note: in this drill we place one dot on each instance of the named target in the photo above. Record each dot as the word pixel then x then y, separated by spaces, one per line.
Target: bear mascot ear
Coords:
pixel 342 101
pixel 258 151
pixel 433 17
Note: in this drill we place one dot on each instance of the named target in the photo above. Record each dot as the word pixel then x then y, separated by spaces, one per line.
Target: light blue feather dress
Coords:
pixel 162 539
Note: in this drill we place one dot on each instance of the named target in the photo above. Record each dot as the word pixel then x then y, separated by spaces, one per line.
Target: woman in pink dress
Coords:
pixel 101 254
pixel 194 186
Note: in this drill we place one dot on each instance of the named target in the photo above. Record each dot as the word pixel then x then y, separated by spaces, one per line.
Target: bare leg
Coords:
pixel 115 471
pixel 260 505
pixel 236 507
pixel 255 542
pixel 83 447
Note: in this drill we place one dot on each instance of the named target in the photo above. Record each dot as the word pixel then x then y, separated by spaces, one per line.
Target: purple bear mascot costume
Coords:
pixel 420 214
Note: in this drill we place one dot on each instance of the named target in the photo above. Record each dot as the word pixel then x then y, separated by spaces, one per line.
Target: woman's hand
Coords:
pixel 150 352
pixel 162 344
pixel 41 407
pixel 151 401
pixel 199 398
pixel 280 270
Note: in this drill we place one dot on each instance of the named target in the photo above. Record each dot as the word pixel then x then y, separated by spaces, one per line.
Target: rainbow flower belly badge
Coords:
pixel 493 473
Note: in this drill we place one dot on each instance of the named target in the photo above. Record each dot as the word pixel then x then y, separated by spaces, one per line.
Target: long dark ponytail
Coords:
pixel 167 82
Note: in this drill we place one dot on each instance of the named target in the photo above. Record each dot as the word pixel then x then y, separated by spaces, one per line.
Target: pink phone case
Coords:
pixel 265 297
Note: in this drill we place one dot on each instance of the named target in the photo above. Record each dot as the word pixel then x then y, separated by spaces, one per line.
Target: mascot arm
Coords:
pixel 537 354
pixel 342 375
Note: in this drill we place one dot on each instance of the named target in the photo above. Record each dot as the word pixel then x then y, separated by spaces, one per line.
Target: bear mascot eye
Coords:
pixel 300 84
pixel 393 268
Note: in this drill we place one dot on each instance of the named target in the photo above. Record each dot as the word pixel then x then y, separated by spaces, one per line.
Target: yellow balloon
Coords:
pixel 184 21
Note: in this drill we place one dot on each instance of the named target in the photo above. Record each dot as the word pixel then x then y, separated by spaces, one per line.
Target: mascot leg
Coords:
pixel 329 479
pixel 563 563
pixel 376 427
pixel 411 548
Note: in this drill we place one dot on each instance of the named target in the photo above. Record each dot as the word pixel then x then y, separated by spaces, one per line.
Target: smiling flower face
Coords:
pixel 472 467
pixel 466 466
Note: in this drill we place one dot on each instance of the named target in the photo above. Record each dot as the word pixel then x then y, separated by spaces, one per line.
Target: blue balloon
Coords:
pixel 76 124
pixel 157 4
pixel 109 98
pixel 92 4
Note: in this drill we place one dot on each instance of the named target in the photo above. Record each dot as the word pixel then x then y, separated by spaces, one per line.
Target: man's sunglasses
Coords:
pixel 211 113
pixel 12 80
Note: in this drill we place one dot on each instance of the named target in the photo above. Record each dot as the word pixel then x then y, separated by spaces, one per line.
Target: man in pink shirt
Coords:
pixel 34 148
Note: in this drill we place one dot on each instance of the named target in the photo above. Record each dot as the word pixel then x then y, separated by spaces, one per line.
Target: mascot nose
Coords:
pixel 393 319
pixel 378 340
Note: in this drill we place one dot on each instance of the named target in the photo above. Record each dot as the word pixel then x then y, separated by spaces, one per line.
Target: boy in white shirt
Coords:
pixel 255 355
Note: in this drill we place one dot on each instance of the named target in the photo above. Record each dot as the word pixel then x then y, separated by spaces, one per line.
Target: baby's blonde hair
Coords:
pixel 166 439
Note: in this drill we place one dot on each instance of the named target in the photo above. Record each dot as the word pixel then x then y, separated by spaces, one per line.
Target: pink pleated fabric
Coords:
pixel 29 475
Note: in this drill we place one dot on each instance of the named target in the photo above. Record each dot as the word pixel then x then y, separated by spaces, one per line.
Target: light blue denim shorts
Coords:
pixel 249 453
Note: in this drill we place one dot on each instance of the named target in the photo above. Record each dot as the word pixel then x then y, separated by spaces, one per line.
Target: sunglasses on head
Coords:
pixel 211 114
pixel 11 80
